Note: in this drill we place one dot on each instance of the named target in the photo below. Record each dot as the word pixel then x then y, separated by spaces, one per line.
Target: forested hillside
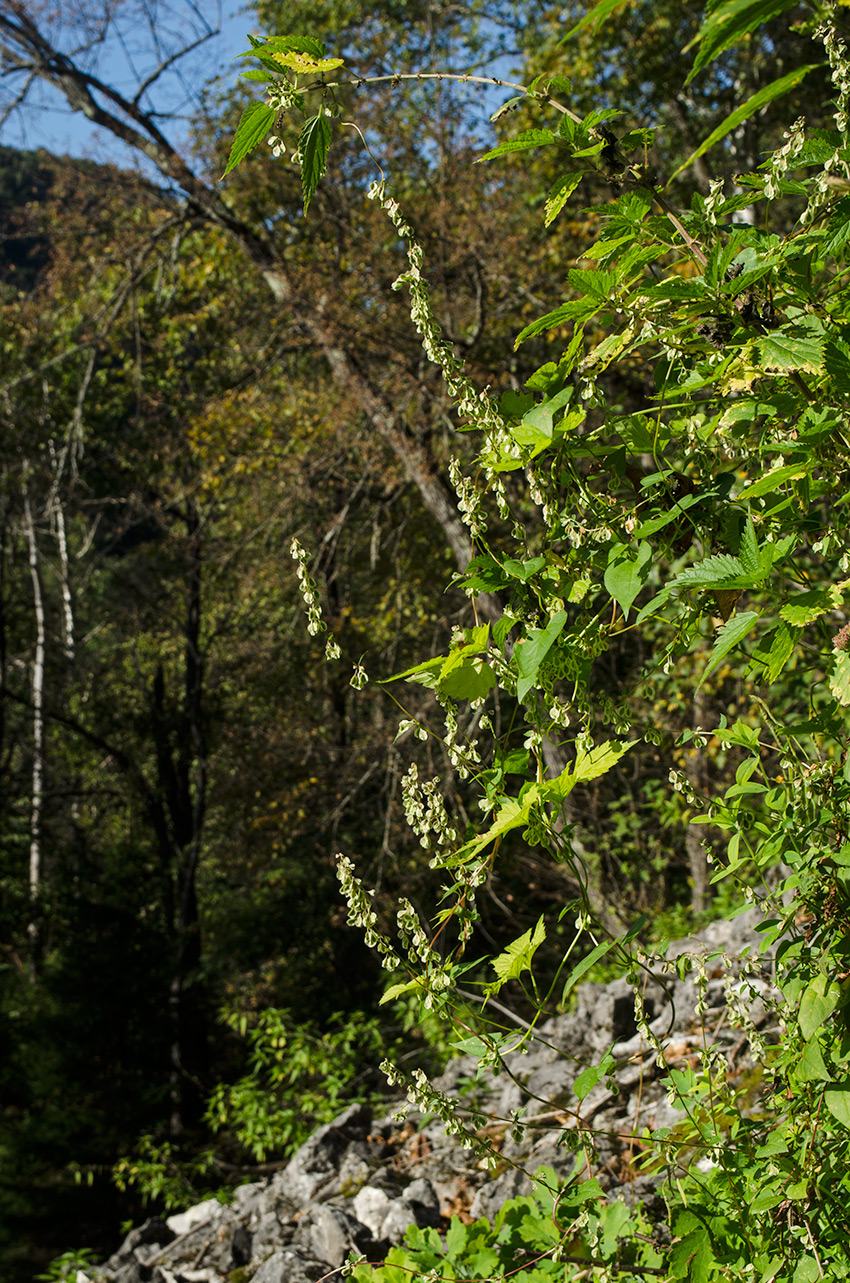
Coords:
pixel 216 412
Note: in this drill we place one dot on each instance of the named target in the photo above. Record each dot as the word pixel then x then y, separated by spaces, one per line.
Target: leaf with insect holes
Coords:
pixel 305 64
pixel 559 195
pixel 314 145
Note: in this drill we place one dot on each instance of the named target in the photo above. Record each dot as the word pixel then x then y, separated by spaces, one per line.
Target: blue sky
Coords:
pixel 47 121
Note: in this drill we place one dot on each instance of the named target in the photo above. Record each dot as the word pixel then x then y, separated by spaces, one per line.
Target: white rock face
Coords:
pixel 182 1222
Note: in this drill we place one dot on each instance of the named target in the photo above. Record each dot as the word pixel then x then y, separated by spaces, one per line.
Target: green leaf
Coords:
pixel 625 576
pixel 255 125
pixel 811 1067
pixel 588 765
pixel 528 139
pixel 819 1000
pixel 285 44
pixel 777 477
pixel 395 991
pixel 747 109
pixel 456 1238
pixel 796 346
pixel 721 571
pixel 727 23
pixel 589 1077
pixel 781 649
pixel 305 64
pixel 531 652
pixel 595 17
pixel 808 606
pixel 728 636
pixel 512 814
pixel 837 230
pixel 519 953
pixel 836 1097
pixel 586 963
pixel 470 679
pixel 839 680
pixel 559 195
pixel 313 144
pixel 578 309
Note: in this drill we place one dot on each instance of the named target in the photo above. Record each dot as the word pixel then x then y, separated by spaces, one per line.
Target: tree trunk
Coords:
pixel 37 691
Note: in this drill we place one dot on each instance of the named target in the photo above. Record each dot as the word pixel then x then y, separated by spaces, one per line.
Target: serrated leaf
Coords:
pixel 595 17
pixel 837 234
pixel 797 346
pixel 808 606
pixel 775 478
pixel 313 144
pixel 528 139
pixel 728 637
pixel 305 64
pixel 727 23
pixel 559 195
pixel 627 572
pixel 518 956
pixel 580 309
pixel 256 74
pixel 589 764
pixel 839 680
pixel 255 124
pixel 721 570
pixel 511 815
pixel 510 105
pixel 754 104
pixel 274 44
pixel 748 549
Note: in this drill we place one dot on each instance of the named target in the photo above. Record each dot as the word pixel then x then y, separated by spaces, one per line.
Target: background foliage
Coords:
pixel 188 386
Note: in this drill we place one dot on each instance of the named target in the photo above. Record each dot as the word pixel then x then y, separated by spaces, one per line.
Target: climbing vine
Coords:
pixel 710 518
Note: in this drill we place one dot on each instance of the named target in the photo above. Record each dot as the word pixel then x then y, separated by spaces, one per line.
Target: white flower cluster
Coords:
pixel 713 201
pixel 425 811
pixel 280 96
pixel 410 724
pixel 477 406
pixel 430 1101
pixel 309 589
pixel 782 160
pixel 361 913
pixel 836 51
pixel 413 936
pixel 459 757
pixel 359 678
pixel 468 501
pixel 740 994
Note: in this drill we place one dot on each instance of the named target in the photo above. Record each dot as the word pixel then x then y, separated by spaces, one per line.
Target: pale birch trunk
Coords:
pixel 37 800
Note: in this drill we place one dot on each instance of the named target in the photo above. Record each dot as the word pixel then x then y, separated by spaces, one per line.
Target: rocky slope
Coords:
pixel 360 1181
